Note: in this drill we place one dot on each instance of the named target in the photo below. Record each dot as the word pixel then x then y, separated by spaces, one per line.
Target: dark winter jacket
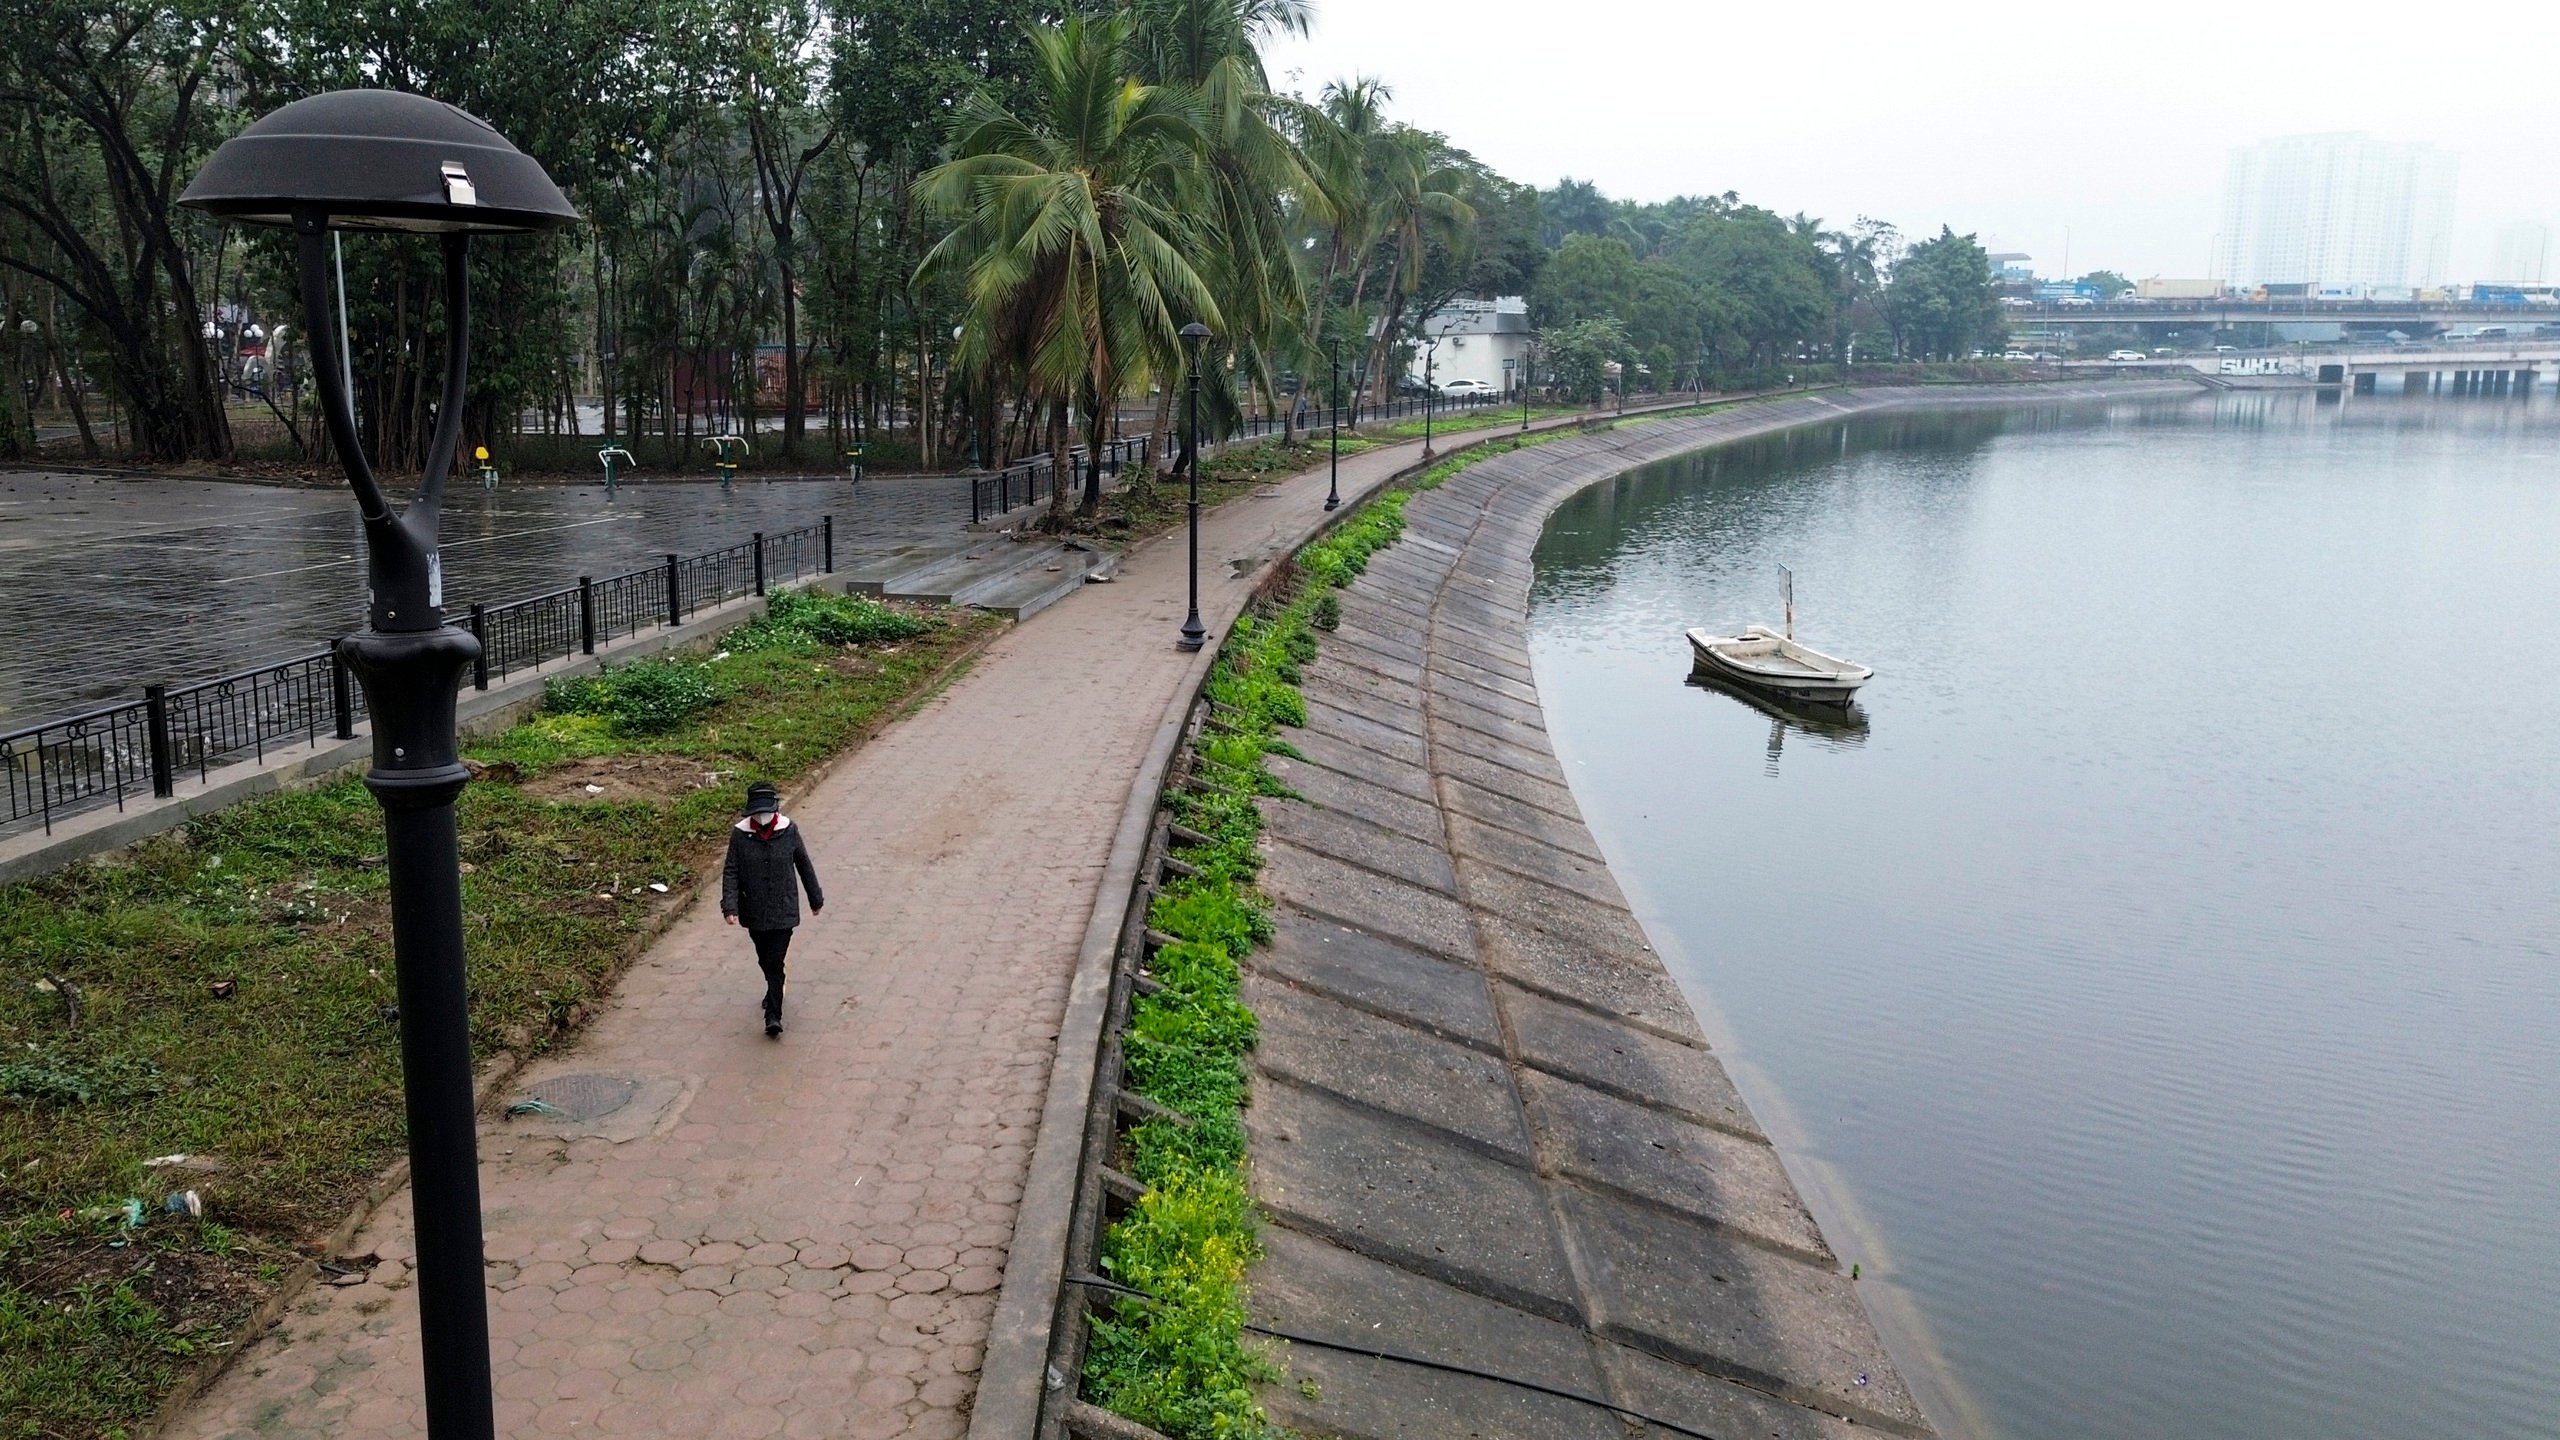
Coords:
pixel 757 885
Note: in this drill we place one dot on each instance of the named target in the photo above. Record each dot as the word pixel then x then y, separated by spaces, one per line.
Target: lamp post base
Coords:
pixel 1194 634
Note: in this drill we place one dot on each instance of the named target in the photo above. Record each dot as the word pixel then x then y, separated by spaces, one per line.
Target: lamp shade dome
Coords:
pixel 378 160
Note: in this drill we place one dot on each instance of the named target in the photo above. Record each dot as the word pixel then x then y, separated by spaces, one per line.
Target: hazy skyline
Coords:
pixel 2013 124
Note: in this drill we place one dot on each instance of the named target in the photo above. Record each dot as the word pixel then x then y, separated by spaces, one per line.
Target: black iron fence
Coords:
pixel 90 760
pixel 1320 418
pixel 1033 478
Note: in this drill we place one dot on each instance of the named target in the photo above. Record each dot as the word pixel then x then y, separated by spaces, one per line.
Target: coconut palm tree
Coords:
pixel 1075 241
pixel 1209 50
pixel 1415 199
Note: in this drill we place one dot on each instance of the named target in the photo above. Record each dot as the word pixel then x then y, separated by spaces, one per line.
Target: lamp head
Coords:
pixel 378 160
pixel 1194 334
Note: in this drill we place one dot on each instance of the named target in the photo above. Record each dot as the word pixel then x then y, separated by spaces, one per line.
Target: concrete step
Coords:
pixel 939 580
pixel 1049 576
pixel 877 572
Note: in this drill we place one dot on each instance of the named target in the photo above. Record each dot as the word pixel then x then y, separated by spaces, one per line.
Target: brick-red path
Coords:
pixel 809 1243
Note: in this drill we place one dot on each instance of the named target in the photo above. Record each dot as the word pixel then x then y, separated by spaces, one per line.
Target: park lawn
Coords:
pixel 234 989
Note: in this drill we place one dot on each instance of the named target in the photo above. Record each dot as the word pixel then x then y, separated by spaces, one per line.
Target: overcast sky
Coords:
pixel 2013 122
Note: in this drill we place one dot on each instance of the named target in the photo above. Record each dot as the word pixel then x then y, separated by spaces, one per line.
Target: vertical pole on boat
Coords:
pixel 1787 593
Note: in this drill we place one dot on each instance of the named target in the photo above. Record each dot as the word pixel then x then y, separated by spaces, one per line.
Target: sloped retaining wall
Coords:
pixel 1484 1123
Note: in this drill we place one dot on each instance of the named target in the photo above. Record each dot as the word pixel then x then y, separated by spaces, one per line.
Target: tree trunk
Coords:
pixel 1162 460
pixel 69 387
pixel 1060 466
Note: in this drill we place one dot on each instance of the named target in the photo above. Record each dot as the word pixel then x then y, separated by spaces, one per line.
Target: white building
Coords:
pixel 2523 255
pixel 2337 209
pixel 1475 340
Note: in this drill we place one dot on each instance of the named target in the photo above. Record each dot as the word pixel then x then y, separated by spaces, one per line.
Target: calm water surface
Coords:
pixel 2156 980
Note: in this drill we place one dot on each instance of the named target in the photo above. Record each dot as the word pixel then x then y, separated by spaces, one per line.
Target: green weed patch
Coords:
pixel 1179 1363
pixel 227 991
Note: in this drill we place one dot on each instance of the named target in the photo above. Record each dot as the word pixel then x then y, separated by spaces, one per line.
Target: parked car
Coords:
pixel 1465 386
pixel 2123 356
pixel 2019 355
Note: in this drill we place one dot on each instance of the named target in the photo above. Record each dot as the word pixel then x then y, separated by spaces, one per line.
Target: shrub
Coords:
pixel 801 617
pixel 649 697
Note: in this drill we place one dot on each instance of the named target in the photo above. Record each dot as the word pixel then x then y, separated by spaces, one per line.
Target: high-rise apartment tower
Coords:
pixel 2337 209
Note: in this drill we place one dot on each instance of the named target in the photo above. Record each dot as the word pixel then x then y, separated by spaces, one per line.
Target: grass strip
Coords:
pixel 1180 1364
pixel 225 992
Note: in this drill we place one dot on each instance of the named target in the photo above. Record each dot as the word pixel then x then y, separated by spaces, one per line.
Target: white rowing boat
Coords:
pixel 1763 658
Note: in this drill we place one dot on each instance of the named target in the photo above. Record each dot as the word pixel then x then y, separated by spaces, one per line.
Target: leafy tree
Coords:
pixel 105 112
pixel 1575 207
pixel 1942 301
pixel 1579 354
pixel 1589 275
pixel 1767 285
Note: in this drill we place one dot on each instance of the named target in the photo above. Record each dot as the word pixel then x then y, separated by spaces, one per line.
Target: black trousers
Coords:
pixel 771 946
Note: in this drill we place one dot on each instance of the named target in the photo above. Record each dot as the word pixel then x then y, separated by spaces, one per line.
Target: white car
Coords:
pixel 2016 355
pixel 2123 356
pixel 1467 387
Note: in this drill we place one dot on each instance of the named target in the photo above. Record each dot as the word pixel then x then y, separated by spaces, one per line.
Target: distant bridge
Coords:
pixel 2501 368
pixel 2411 316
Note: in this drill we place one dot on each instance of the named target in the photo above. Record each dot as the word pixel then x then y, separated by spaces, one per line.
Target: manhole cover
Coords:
pixel 586 1097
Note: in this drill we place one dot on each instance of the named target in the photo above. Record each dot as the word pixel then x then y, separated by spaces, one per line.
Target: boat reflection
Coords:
pixel 1830 726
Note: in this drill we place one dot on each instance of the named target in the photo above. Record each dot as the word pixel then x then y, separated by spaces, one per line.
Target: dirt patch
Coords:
pixel 600 779
pixel 195 1292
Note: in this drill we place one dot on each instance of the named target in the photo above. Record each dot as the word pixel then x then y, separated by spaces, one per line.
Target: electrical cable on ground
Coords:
pixel 1096 1282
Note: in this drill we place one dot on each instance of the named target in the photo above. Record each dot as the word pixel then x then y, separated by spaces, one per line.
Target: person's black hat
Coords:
pixel 763 799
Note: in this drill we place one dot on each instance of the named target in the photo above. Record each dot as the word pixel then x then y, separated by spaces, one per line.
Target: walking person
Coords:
pixel 760 887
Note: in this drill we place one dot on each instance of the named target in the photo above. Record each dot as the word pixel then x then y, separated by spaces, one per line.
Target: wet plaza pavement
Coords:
pixel 110 583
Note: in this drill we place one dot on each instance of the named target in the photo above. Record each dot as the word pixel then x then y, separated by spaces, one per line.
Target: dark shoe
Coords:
pixel 772 1026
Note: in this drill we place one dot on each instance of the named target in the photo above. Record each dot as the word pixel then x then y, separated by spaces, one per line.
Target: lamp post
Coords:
pixel 1333 484
pixel 385 161
pixel 1194 634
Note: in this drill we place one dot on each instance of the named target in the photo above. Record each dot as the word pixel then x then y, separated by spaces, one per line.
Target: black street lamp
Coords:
pixel 1194 634
pixel 386 161
pixel 1333 486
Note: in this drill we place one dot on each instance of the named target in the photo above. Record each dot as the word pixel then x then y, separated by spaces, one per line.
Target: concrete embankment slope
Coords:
pixel 1483 1119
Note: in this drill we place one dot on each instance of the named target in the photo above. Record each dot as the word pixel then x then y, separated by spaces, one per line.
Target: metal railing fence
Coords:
pixel 136 747
pixel 1028 480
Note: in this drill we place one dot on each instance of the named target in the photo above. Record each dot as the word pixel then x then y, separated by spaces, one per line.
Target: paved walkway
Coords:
pixel 805 1237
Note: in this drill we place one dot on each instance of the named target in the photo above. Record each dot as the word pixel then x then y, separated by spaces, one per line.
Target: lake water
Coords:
pixel 2154 983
